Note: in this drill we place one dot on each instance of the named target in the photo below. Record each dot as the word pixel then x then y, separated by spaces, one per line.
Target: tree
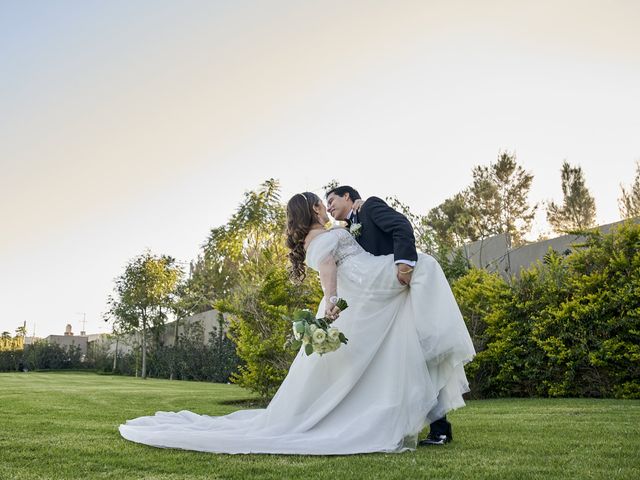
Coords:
pixel 143 296
pixel 629 201
pixel 7 342
pixel 437 243
pixel 118 334
pixel 452 222
pixel 215 273
pixel 578 208
pixel 497 199
pixel 260 293
pixel 22 330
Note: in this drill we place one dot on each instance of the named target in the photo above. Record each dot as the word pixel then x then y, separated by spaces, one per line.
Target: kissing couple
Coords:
pixel 402 369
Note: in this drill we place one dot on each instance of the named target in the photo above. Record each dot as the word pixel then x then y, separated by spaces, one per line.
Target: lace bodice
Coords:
pixel 337 242
pixel 347 246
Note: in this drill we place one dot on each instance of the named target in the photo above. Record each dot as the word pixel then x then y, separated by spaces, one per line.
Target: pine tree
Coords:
pixel 629 201
pixel 578 210
pixel 498 199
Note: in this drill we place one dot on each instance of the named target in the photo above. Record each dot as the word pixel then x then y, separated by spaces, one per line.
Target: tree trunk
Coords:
pixel 144 349
pixel 175 346
pixel 115 356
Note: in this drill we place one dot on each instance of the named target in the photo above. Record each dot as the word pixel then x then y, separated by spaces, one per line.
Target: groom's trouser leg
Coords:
pixel 441 427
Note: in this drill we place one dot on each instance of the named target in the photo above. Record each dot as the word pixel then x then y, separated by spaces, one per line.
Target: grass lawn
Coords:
pixel 64 425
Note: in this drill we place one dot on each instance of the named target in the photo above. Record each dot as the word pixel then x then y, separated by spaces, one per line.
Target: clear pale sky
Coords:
pixel 131 125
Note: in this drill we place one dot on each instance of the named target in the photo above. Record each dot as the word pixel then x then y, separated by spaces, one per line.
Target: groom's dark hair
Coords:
pixel 340 191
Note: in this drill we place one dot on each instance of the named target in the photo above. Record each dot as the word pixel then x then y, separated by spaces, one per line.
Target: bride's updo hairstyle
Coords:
pixel 300 218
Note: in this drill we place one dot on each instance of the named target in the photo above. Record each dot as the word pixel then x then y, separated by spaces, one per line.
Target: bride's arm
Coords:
pixel 329 281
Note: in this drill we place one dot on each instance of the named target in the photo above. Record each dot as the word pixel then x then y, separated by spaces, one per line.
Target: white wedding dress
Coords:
pixel 402 369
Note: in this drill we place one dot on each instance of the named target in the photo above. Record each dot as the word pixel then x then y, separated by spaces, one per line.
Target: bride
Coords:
pixel 401 370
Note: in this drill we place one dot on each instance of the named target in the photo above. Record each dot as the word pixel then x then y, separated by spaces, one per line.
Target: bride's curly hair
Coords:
pixel 300 218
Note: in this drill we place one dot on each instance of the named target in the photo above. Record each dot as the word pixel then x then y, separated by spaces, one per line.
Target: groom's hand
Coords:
pixel 404 273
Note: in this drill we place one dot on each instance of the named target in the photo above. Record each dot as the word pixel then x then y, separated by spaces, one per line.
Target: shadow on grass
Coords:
pixel 246 402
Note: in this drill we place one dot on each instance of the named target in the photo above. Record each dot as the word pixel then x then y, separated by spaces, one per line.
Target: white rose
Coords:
pixel 319 336
pixel 312 328
pixel 333 334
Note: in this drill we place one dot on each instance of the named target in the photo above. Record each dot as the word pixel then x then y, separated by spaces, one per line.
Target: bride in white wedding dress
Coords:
pixel 401 370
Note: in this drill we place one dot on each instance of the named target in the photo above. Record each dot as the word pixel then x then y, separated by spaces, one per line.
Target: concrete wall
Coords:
pixel 494 253
pixel 209 320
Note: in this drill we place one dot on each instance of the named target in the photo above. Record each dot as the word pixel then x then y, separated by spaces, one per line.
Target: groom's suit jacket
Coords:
pixel 384 230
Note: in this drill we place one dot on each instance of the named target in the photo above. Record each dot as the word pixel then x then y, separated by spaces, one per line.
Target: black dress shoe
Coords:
pixel 435 439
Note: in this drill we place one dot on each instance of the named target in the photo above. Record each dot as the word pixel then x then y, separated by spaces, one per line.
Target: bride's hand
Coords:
pixel 331 313
pixel 357 205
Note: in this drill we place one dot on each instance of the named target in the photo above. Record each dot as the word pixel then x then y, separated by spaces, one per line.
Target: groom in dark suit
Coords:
pixel 381 230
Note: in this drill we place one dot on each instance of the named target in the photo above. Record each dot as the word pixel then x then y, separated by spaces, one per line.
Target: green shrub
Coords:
pixel 257 326
pixel 568 326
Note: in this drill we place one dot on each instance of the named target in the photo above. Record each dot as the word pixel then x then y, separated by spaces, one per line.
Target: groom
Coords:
pixel 381 230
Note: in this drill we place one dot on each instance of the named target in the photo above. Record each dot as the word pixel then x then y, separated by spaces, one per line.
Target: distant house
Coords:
pixel 69 339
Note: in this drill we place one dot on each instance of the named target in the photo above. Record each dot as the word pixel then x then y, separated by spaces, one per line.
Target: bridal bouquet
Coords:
pixel 316 334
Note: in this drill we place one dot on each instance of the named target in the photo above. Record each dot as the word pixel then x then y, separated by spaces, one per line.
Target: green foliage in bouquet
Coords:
pixel 305 325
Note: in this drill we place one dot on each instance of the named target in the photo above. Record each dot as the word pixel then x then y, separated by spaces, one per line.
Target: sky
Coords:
pixel 127 126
